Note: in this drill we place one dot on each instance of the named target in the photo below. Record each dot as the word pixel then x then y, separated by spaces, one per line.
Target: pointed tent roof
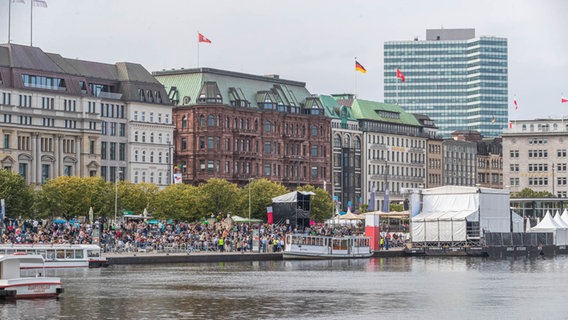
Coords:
pixel 559 220
pixel 565 215
pixel 547 223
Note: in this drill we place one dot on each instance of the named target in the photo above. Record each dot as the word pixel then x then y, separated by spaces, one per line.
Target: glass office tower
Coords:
pixel 458 80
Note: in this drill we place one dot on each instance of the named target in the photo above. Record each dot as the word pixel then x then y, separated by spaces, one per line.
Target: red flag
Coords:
pixel 400 75
pixel 516 105
pixel 203 39
pixel 510 124
pixel 563 100
pixel 492 119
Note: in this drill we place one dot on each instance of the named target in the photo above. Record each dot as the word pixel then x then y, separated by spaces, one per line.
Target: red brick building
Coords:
pixel 239 126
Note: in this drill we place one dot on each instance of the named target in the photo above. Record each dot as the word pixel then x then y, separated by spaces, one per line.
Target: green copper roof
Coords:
pixel 371 110
pixel 189 82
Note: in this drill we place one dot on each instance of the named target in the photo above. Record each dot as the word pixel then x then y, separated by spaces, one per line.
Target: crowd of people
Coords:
pixel 139 235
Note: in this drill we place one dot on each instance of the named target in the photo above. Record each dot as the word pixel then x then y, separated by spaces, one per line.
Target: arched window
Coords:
pixel 143 156
pixel 143 136
pixel 184 122
pixel 136 156
pixel 136 136
pixel 143 176
pixel 346 141
pixel 160 157
pixel 135 176
pixel 152 137
pixel 337 141
pixel 159 138
pixel 201 120
pixel 151 177
pixel 357 143
pixel 152 157
pixel 211 120
pixel 227 122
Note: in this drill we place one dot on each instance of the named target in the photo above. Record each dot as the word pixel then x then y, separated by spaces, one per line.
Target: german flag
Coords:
pixel 360 68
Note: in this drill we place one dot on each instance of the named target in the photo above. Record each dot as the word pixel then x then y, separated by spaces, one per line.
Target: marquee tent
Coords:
pixel 449 211
pixel 547 224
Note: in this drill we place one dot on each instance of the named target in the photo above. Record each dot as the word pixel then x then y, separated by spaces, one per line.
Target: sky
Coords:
pixel 312 41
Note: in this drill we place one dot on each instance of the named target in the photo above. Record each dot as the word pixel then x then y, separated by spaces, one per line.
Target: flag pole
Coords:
pixel 31 22
pixel 355 78
pixel 9 18
pixel 198 48
pixel 396 91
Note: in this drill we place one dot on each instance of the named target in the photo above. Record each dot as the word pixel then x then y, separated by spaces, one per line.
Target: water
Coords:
pixel 394 288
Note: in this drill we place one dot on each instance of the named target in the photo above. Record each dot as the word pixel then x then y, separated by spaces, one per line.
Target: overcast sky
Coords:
pixel 313 41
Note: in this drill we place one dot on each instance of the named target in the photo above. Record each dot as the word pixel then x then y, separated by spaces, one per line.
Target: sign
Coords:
pixel 177 178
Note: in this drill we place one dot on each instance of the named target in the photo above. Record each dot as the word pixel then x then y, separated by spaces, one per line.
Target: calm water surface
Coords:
pixel 394 288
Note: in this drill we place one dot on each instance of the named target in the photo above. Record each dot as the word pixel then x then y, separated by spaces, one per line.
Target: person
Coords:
pixel 541 251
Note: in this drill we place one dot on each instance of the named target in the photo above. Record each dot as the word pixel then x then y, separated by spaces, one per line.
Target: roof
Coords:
pixel 462 190
pixel 189 82
pixel 378 111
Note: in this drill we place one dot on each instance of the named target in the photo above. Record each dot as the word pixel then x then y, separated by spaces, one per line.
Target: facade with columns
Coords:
pixel 62 116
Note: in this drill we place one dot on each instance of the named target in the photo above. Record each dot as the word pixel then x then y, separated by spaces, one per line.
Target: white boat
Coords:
pixel 14 286
pixel 59 255
pixel 301 246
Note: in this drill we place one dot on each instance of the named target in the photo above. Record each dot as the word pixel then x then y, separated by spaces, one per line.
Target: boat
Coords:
pixel 14 286
pixel 302 246
pixel 59 255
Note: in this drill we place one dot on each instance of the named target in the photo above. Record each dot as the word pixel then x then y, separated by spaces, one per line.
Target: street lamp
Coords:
pixel 116 195
pixel 250 182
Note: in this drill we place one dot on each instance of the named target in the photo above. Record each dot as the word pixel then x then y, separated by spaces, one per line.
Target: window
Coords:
pixel 201 120
pixel 112 152
pixel 267 146
pixel 151 116
pixel 267 126
pixel 210 143
pixel 210 120
pixel 314 172
pixel 314 131
pixel 135 115
pixel 122 152
pixel 267 170
pixel 122 130
pixel 184 122
pixel 314 151
pixel 143 117
pixel 184 143
pixel 103 150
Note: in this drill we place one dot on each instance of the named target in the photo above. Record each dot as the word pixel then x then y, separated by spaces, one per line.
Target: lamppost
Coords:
pixel 250 182
pixel 118 173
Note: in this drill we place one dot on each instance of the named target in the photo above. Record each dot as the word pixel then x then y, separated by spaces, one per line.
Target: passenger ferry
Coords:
pixel 301 246
pixel 58 255
pixel 15 286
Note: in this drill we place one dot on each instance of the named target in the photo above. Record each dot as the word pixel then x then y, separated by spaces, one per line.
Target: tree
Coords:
pixel 18 198
pixel 217 196
pixel 529 193
pixel 71 196
pixel 136 197
pixel 321 203
pixel 261 193
pixel 176 201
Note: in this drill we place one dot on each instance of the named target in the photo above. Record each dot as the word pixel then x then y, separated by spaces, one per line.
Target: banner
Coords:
pixel 270 215
pixel 177 178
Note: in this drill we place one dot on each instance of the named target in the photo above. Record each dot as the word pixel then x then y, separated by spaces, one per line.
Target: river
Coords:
pixel 377 288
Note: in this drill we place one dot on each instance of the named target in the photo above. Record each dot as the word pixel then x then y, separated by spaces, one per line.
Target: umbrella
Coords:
pixel 59 221
pixel 352 216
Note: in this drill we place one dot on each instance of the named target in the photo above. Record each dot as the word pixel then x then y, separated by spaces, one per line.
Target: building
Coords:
pixel 65 116
pixel 535 156
pixel 394 151
pixel 347 139
pixel 459 80
pixel 239 126
pixel 459 160
pixel 490 163
pixel 434 155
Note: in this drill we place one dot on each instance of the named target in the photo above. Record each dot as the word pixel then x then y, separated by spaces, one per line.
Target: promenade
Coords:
pixel 212 257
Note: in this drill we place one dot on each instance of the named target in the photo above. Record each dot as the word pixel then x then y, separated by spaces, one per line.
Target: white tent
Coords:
pixel 518 222
pixel 565 216
pixel 547 224
pixel 447 210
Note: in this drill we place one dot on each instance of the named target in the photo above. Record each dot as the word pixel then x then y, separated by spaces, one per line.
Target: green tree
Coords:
pixel 18 198
pixel 176 201
pixel 136 197
pixel 529 193
pixel 217 196
pixel 261 193
pixel 71 196
pixel 321 203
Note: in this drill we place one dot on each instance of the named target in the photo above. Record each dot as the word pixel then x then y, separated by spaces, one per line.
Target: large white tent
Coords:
pixel 548 224
pixel 446 212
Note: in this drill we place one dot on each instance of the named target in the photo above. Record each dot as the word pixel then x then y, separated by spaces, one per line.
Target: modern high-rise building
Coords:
pixel 459 80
